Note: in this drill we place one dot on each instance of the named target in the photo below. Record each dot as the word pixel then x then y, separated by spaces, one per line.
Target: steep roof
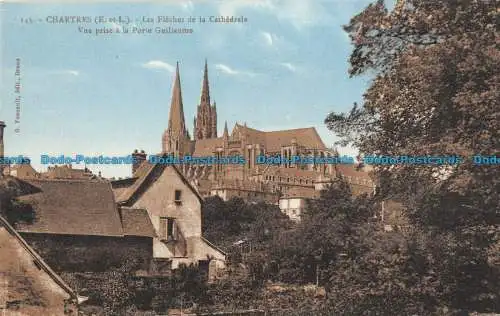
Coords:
pixel 273 140
pixel 144 178
pixel 136 222
pixel 307 137
pixel 40 263
pixel 74 207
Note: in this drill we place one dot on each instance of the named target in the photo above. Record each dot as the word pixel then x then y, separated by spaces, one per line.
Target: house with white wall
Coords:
pixel 174 207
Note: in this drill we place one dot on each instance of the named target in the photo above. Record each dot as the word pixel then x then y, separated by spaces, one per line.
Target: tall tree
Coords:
pixel 436 68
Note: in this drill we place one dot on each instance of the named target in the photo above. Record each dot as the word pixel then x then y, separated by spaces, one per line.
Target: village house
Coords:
pixel 174 208
pixel 28 286
pixel 67 172
pixel 21 171
pixel 294 200
pixel 78 227
pixel 26 171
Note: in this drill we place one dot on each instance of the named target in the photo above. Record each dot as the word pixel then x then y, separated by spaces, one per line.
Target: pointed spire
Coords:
pixel 226 133
pixel 176 117
pixel 205 90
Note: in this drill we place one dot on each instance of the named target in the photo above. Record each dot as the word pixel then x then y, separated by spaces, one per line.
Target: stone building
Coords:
pixel 67 172
pixel 294 201
pixel 78 227
pixel 173 206
pixel 21 171
pixel 250 191
pixel 244 142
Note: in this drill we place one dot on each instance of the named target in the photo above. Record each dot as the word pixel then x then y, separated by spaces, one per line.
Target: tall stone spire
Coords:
pixel 176 117
pixel 176 138
pixel 205 89
pixel 226 133
pixel 214 120
pixel 206 116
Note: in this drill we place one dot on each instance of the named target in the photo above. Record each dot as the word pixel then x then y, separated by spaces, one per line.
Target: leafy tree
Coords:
pixel 14 211
pixel 227 222
pixel 331 227
pixel 435 91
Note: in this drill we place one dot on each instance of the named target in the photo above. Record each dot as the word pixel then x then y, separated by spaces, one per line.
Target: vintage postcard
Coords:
pixel 234 157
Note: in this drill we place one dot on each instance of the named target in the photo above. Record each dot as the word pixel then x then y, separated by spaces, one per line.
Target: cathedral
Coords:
pixel 251 181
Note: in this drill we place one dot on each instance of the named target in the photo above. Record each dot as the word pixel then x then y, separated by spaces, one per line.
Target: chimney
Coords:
pixel 2 166
pixel 138 159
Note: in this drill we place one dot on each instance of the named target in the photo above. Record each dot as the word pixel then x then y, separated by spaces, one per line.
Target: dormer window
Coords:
pixel 177 197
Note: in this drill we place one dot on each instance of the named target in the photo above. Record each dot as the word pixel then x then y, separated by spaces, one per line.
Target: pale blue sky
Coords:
pixel 285 68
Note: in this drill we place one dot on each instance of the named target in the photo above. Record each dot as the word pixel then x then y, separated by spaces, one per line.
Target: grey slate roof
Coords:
pixel 136 222
pixel 74 207
pixel 143 178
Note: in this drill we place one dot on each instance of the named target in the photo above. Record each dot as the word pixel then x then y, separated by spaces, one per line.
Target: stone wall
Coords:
pixel 72 253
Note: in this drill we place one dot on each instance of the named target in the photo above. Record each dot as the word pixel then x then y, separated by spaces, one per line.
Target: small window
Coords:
pixel 177 198
pixel 170 228
pixel 167 229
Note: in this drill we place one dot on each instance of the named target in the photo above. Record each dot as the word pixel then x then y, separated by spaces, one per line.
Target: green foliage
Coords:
pixel 120 292
pixel 227 222
pixel 332 226
pixel 435 92
pixel 236 293
pixel 14 211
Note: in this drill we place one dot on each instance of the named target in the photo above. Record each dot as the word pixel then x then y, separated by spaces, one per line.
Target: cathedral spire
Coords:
pixel 206 117
pixel 226 133
pixel 205 90
pixel 176 117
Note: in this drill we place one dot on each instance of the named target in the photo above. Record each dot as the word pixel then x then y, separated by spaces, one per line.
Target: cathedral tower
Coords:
pixel 205 122
pixel 176 138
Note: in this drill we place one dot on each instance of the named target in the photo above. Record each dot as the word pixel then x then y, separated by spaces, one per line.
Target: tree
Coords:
pixel 13 210
pixel 435 92
pixel 331 227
